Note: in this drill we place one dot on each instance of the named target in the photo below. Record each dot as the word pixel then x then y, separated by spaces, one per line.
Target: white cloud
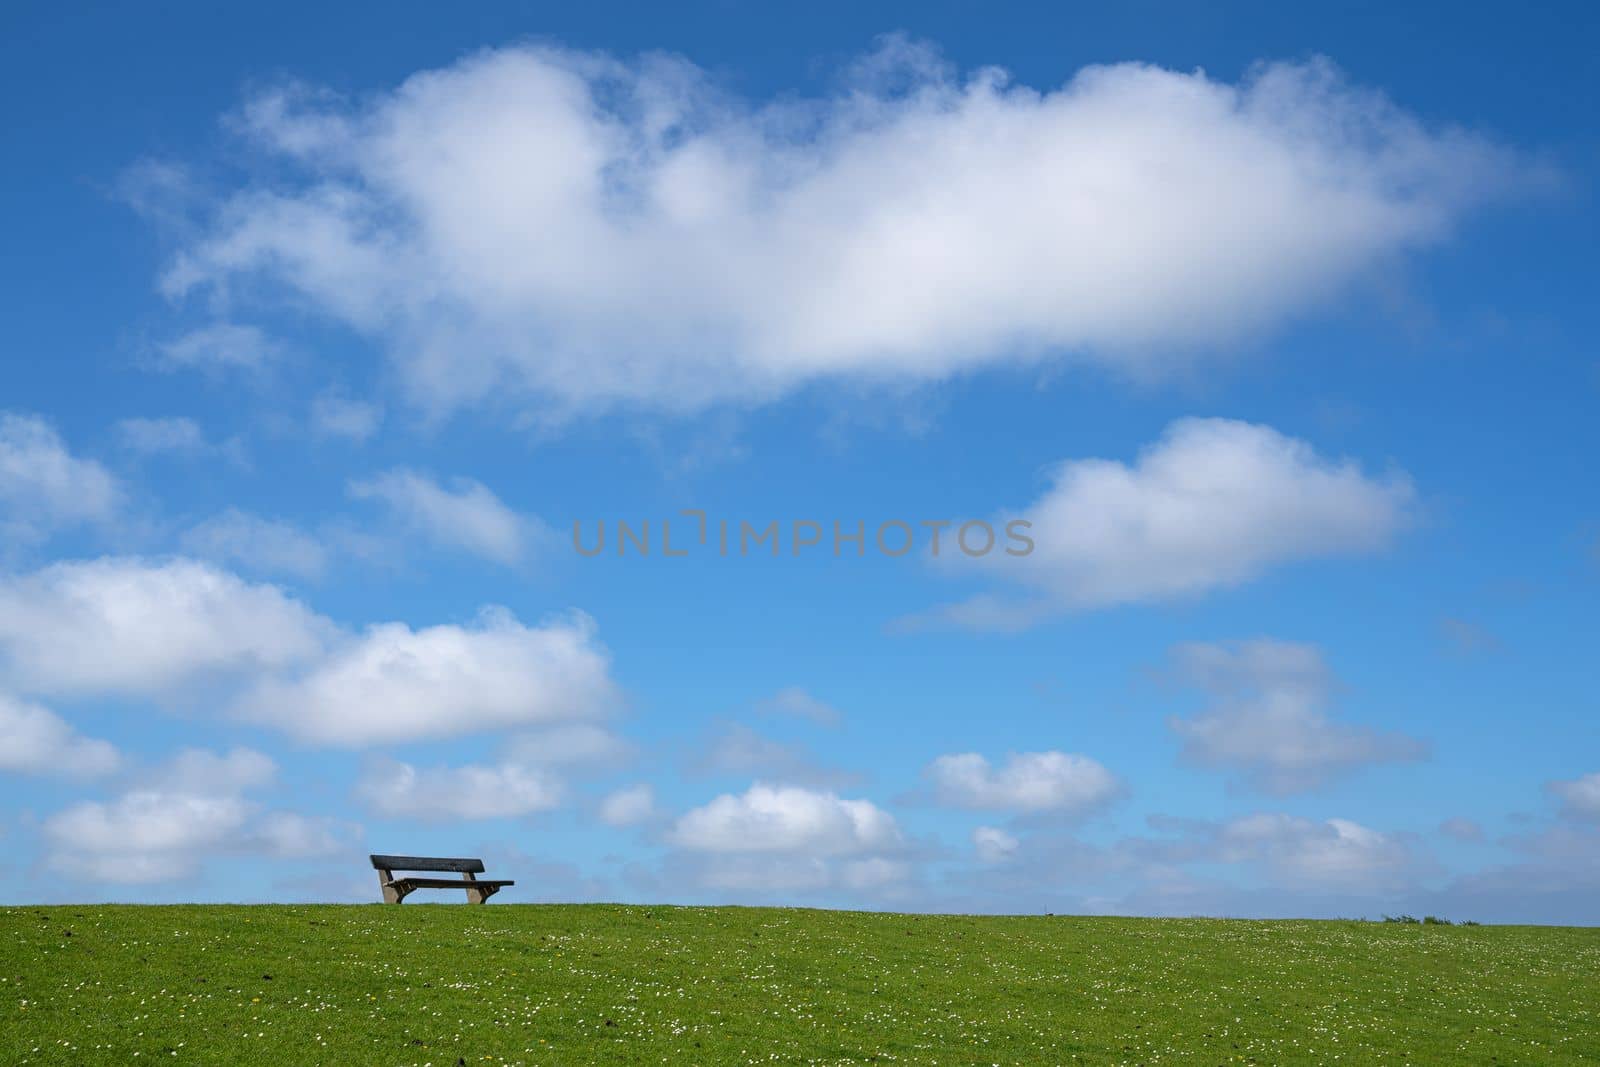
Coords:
pixel 1461 829
pixel 1267 718
pixel 787 839
pixel 741 752
pixel 198 770
pixel 786 819
pixel 1580 797
pixel 571 232
pixel 137 626
pixel 43 486
pixel 630 806
pixel 873 873
pixel 146 835
pixel 191 808
pixel 1264 864
pixel 993 844
pixel 218 346
pixel 1212 504
pixel 153 436
pixel 140 628
pixel 1323 854
pixel 336 415
pixel 292 836
pixel 394 684
pixel 1469 638
pixel 34 740
pixel 798 703
pixel 1029 781
pixel 466 515
pixel 443 794
pixel 259 544
pixel 750 873
pixel 1553 879
pixel 572 745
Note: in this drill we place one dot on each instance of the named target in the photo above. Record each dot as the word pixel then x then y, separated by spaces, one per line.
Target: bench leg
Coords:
pixel 391 894
pixel 477 896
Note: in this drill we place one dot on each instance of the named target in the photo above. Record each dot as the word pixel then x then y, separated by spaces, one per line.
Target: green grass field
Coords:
pixel 443 985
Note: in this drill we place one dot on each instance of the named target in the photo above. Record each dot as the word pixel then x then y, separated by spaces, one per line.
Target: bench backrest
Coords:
pixel 426 863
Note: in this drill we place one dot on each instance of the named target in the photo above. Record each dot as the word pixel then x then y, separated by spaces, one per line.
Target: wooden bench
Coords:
pixel 397 889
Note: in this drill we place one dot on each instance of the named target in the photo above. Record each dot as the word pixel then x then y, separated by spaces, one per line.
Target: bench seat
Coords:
pixel 448 883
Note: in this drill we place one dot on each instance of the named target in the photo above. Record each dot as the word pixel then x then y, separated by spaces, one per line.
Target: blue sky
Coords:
pixel 325 329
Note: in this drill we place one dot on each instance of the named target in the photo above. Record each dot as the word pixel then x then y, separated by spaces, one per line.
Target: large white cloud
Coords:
pixel 191 808
pixel 789 819
pixel 789 839
pixel 1029 782
pixel 34 740
pixel 573 232
pixel 140 626
pixel 43 485
pixel 1213 503
pixel 147 835
pixel 1268 717
pixel 394 684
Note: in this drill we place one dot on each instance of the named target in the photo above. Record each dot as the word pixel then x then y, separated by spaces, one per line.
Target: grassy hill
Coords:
pixel 443 985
